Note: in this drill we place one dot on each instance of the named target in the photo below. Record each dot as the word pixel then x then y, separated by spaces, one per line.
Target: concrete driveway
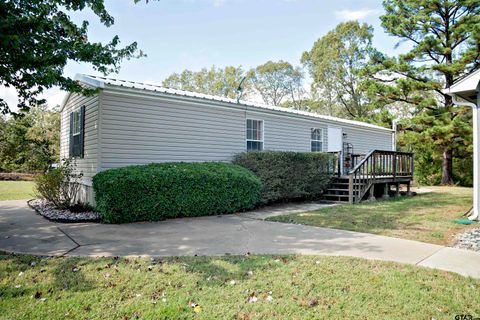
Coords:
pixel 24 231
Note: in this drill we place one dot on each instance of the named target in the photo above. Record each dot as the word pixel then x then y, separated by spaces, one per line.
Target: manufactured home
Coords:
pixel 127 123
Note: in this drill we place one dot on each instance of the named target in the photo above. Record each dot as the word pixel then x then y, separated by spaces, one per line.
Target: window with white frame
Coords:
pixel 76 125
pixel 254 135
pixel 317 140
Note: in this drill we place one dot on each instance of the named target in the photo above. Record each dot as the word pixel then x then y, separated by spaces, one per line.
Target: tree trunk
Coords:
pixel 447 170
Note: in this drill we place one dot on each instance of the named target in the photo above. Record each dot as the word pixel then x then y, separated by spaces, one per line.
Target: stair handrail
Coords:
pixel 355 185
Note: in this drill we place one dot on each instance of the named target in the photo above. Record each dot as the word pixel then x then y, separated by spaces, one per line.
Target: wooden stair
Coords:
pixel 337 191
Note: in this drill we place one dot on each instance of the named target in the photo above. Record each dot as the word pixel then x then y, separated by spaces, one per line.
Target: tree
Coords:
pixel 336 63
pixel 38 38
pixel 445 40
pixel 277 82
pixel 220 82
pixel 30 142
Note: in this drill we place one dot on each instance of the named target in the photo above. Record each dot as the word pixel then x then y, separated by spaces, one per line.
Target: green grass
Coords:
pixel 426 217
pixel 16 190
pixel 302 287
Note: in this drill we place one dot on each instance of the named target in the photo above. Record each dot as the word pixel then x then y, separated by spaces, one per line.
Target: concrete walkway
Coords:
pixel 24 231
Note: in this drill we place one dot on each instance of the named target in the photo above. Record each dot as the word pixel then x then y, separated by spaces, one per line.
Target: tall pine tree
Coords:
pixel 445 45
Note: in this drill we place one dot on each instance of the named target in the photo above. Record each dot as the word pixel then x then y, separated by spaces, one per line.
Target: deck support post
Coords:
pixel 350 189
pixel 386 190
pixel 409 192
pixel 397 189
pixel 371 196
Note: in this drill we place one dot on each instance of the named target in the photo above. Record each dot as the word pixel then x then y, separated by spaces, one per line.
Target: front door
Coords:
pixel 335 142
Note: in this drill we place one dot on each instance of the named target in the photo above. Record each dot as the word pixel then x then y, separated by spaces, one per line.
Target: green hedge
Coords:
pixel 168 190
pixel 289 175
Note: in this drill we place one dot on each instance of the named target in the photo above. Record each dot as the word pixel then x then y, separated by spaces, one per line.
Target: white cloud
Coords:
pixel 218 3
pixel 53 96
pixel 355 14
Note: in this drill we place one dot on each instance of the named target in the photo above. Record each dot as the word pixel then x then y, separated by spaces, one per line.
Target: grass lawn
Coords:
pixel 286 287
pixel 426 217
pixel 16 190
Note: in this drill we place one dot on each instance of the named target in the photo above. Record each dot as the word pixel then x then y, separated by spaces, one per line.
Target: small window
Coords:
pixel 76 126
pixel 254 135
pixel 317 140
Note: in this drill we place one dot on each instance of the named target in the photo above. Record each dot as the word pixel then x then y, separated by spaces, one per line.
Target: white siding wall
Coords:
pixel 283 132
pixel 364 140
pixel 87 165
pixel 142 129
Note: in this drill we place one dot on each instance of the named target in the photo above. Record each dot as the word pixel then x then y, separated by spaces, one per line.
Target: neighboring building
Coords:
pixel 128 123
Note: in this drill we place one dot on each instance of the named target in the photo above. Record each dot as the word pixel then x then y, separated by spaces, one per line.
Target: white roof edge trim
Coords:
pixel 64 101
pixel 90 80
pixel 156 89
pixel 86 80
pixel 452 90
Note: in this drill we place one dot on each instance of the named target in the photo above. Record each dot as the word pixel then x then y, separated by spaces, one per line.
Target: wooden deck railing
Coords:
pixel 378 166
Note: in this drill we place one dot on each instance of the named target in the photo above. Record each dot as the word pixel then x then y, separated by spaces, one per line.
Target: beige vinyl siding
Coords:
pixel 293 133
pixel 282 132
pixel 142 129
pixel 88 164
pixel 364 140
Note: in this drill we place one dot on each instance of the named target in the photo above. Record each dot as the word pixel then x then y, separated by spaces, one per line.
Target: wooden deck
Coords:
pixel 377 168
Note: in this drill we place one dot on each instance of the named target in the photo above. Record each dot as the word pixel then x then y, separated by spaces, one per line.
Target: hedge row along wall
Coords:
pixel 289 175
pixel 168 190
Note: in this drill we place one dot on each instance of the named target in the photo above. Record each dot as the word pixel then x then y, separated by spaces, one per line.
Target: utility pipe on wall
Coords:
pixel 476 159
pixel 394 135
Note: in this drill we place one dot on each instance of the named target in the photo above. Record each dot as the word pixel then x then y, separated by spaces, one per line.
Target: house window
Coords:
pixel 317 140
pixel 77 124
pixel 254 135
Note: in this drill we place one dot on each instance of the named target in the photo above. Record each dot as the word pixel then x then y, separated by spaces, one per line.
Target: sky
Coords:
pixel 191 34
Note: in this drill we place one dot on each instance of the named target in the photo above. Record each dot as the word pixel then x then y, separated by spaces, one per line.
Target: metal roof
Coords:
pixel 101 82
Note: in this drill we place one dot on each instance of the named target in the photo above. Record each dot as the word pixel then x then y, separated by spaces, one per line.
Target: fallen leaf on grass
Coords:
pixel 313 303
pixel 267 296
pixel 196 307
pixel 243 316
pixel 252 298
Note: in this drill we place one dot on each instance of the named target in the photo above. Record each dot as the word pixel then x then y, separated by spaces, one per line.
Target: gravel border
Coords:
pixel 49 212
pixel 469 240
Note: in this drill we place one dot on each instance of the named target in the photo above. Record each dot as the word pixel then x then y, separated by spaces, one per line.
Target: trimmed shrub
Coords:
pixel 289 175
pixel 169 190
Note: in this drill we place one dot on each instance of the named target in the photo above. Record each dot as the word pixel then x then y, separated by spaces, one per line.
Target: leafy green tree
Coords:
pixel 277 82
pixel 30 142
pixel 336 64
pixel 215 81
pixel 38 38
pixel 445 39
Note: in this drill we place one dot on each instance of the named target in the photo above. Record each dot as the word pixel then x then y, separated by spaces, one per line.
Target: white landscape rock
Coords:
pixel 469 240
pixel 49 211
